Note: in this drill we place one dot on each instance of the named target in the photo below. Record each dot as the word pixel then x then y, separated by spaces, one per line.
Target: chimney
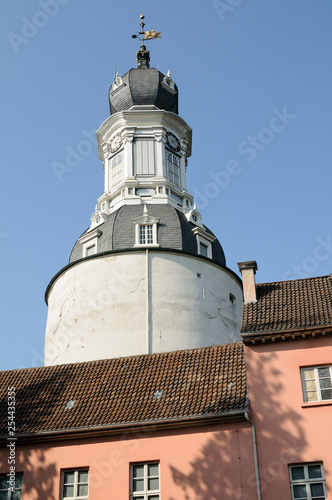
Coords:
pixel 248 271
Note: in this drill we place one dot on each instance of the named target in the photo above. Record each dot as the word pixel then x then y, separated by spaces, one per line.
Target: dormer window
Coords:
pixel 146 230
pixel 90 242
pixel 173 168
pixel 204 242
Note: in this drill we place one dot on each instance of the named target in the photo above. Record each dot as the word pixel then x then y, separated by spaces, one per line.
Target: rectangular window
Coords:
pixel 146 234
pixel 145 483
pixel 307 482
pixel 5 494
pixel 173 169
pixel 116 169
pixel 90 250
pixel 317 383
pixel 75 484
pixel 203 250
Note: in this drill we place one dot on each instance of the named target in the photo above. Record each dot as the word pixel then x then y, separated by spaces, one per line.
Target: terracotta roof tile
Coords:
pixel 117 391
pixel 289 304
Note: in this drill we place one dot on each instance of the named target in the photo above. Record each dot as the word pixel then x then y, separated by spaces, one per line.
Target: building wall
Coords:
pixel 288 430
pixel 195 464
pixel 102 308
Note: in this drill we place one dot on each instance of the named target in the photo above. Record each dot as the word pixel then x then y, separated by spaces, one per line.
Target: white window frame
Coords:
pixel 316 383
pixel 173 163
pixel 147 234
pixel 76 483
pixel 89 244
pixel 146 494
pixel 17 475
pixel 145 221
pixel 307 481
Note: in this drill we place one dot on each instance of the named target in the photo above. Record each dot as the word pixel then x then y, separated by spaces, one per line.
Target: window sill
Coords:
pixel 152 245
pixel 317 403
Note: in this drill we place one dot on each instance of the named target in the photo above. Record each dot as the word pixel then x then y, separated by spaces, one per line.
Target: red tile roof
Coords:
pixel 288 305
pixel 209 380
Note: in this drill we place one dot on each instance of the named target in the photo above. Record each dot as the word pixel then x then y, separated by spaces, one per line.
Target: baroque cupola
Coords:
pixel 146 275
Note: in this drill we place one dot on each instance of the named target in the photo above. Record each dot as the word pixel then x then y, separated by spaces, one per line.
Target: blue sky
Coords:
pixel 255 83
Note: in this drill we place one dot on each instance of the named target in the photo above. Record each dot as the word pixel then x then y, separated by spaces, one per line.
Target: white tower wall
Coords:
pixel 140 302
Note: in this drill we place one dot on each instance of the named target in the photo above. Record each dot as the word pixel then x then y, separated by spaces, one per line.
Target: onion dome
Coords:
pixel 143 86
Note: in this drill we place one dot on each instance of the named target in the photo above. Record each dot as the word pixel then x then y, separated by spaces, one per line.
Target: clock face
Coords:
pixel 172 142
pixel 115 143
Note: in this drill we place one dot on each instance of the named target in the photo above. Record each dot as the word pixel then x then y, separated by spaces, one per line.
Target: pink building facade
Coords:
pixel 288 350
pixel 205 462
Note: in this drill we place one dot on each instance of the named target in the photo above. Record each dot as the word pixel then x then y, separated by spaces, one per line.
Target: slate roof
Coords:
pixel 174 232
pixel 141 86
pixel 196 382
pixel 288 305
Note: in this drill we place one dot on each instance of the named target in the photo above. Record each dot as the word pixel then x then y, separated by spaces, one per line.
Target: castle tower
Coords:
pixel 147 275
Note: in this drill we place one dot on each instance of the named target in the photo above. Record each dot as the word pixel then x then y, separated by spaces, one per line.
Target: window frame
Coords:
pixel 116 165
pixel 76 483
pixel 173 169
pixel 146 493
pixel 17 475
pixel 307 481
pixel 317 379
pixel 143 221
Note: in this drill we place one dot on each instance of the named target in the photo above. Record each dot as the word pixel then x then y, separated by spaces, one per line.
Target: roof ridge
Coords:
pixel 310 278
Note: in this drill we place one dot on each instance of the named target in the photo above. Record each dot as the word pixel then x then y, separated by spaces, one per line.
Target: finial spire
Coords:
pixel 143 55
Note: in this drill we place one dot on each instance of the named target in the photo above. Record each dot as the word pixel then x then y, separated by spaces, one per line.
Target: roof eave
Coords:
pixel 129 428
pixel 267 336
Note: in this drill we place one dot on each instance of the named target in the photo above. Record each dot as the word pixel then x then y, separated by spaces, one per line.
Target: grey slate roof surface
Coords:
pixel 195 382
pixel 174 232
pixel 142 86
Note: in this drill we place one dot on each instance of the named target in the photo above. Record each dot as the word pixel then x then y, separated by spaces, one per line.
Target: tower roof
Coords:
pixel 175 232
pixel 143 86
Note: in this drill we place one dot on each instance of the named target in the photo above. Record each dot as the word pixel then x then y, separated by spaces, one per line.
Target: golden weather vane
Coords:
pixel 146 35
pixel 143 55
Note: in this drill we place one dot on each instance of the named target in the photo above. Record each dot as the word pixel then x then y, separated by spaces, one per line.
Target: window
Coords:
pixel 145 481
pixel 116 169
pixel 317 383
pixel 203 250
pixel 173 169
pixel 146 234
pixel 307 482
pixel 146 230
pixel 90 250
pixel 7 482
pixel 75 484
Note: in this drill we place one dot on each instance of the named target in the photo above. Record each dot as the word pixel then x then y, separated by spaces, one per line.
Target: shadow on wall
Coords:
pixel 281 436
pixel 40 475
pixel 220 469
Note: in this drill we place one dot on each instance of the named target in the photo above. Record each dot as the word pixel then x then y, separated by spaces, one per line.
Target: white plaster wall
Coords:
pixel 102 308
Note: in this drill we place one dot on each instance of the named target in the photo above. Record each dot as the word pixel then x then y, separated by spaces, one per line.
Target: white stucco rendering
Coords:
pixel 140 302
